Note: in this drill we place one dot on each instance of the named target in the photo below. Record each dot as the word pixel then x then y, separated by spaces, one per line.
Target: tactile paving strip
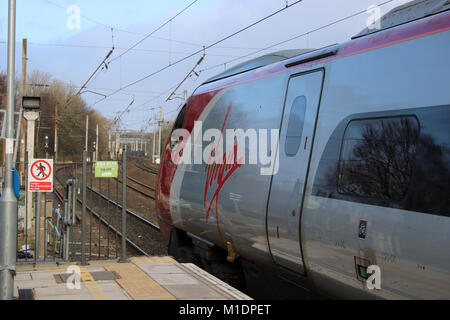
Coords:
pixel 137 284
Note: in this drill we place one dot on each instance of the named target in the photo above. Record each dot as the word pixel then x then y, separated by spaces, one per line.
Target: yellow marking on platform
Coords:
pixel 153 260
pixel 89 282
pixel 137 284
pixel 48 268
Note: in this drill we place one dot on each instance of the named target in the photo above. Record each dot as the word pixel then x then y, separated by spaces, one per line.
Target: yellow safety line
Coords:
pixel 95 290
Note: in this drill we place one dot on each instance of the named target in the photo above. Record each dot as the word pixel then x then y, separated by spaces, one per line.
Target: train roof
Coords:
pixel 259 62
pixel 411 11
pixel 408 12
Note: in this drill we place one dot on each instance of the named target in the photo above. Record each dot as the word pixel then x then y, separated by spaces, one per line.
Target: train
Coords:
pixel 310 174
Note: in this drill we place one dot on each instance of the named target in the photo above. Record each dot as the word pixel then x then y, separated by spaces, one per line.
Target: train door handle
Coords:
pixel 306 142
pixel 293 213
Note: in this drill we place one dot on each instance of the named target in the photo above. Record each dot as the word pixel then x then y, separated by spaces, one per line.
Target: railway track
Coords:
pixel 96 215
pixel 140 165
pixel 142 235
pixel 140 184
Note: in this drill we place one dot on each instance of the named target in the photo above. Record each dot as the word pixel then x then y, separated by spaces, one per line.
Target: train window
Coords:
pixel 177 125
pixel 377 158
pixel 295 126
pixel 430 185
pixel 385 161
pixel 180 119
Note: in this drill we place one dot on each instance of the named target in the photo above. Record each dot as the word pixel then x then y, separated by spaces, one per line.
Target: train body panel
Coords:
pixel 380 99
pixel 241 210
pixel 361 87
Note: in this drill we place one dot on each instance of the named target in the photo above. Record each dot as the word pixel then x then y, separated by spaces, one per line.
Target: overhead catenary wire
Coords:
pixel 293 38
pixel 92 75
pixel 119 48
pixel 187 76
pixel 244 56
pixel 199 51
pixel 88 46
pixel 122 30
pixel 140 33
pixel 154 31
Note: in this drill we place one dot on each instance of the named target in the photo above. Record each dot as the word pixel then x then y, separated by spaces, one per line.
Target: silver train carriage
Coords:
pixel 352 169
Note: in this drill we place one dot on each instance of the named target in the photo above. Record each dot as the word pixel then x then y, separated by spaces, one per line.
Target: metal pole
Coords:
pixel 109 222
pixel 66 239
pixel 56 134
pixel 90 216
pixel 45 226
pixel 31 118
pixel 159 123
pixel 124 206
pixel 45 218
pixel 37 223
pixel 22 121
pixel 18 141
pixel 83 217
pixel 117 200
pixel 3 142
pixel 154 137
pixel 109 144
pixel 8 201
pixel 26 213
pixel 96 143
pixel 87 133
pixel 99 223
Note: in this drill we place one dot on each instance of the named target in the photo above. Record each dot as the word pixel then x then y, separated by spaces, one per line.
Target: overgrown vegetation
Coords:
pixel 71 118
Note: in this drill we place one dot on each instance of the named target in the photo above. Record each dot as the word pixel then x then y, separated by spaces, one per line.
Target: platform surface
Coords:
pixel 142 278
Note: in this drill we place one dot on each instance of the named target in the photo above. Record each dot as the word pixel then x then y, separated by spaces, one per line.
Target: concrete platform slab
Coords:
pixel 23 276
pixel 143 278
pixel 174 279
pixel 160 268
pixel 194 292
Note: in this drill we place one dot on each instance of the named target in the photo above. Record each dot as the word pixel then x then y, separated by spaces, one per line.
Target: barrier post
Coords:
pixel 83 217
pixel 124 206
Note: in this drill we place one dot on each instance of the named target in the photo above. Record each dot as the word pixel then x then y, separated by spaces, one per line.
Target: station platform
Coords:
pixel 142 278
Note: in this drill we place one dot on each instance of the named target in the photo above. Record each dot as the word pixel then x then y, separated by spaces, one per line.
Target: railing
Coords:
pixel 66 233
pixel 40 239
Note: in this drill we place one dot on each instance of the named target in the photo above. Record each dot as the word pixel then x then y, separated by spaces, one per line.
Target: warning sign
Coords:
pixel 106 169
pixel 40 175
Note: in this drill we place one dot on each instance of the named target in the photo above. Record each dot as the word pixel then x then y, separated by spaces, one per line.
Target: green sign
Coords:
pixel 106 169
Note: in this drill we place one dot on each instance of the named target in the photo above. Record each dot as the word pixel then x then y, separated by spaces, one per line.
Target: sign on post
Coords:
pixel 40 175
pixel 106 169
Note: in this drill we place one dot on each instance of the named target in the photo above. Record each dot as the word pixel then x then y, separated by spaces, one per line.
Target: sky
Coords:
pixel 68 39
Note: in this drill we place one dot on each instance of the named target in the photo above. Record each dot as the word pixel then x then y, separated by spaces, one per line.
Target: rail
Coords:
pixel 107 224
pixel 131 213
pixel 104 221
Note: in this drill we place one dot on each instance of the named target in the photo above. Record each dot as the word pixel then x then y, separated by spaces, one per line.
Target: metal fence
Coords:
pixel 39 239
pixel 80 221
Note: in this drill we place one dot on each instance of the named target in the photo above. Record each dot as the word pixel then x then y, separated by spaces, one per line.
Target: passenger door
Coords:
pixel 288 185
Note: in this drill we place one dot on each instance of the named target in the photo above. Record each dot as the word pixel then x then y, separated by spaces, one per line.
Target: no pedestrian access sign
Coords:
pixel 40 175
